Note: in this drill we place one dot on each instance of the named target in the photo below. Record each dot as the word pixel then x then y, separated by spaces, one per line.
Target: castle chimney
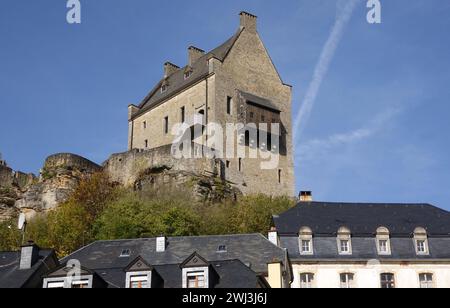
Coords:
pixel 194 54
pixel 305 196
pixel 169 69
pixel 248 21
pixel 161 243
pixel 29 255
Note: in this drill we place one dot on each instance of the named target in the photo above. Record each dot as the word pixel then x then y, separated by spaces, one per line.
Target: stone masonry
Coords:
pixel 208 90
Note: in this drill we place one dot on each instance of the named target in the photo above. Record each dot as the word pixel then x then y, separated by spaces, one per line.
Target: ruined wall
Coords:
pixel 126 168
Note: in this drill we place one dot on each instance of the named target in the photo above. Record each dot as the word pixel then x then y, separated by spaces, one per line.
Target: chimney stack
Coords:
pixel 305 196
pixel 169 69
pixel 273 236
pixel 161 244
pixel 194 54
pixel 29 255
pixel 248 21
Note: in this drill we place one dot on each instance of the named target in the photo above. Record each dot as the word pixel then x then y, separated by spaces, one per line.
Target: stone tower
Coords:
pixel 235 83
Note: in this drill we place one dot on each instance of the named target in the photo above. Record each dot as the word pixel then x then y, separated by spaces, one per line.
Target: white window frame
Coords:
pixel 310 280
pixel 420 235
pixel 344 235
pixel 383 235
pixel 56 284
pixel 347 284
pixel 429 283
pixel 198 271
pixel 132 276
pixel 306 235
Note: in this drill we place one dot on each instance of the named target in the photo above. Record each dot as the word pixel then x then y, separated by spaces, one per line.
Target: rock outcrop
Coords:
pixel 59 178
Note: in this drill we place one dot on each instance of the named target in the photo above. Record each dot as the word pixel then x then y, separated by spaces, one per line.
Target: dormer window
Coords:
pixel 383 241
pixel 164 86
pixel 139 275
pixel 306 241
pixel 195 271
pixel 344 241
pixel 421 242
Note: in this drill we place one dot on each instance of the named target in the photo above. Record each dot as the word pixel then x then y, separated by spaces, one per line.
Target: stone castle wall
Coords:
pixel 126 168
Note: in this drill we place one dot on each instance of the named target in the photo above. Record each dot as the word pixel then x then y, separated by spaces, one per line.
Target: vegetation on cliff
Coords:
pixel 99 210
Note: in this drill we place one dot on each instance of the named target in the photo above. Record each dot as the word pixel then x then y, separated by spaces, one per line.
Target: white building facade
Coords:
pixel 343 245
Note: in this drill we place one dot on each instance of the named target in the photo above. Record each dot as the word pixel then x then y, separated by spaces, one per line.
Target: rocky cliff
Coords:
pixel 138 170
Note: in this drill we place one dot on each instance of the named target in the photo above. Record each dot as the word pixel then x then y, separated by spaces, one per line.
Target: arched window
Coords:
pixel 421 241
pixel 344 240
pixel 306 241
pixel 383 241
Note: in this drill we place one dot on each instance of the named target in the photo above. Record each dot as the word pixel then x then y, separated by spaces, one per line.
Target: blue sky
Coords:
pixel 378 129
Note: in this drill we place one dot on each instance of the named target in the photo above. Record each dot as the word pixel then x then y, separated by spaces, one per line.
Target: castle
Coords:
pixel 236 82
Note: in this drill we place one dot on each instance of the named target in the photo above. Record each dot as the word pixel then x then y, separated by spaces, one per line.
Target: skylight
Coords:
pixel 125 253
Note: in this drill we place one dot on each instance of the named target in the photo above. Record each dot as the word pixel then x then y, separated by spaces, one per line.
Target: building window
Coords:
pixel 183 114
pixel 164 88
pixel 383 241
pixel 347 281
pixel 196 280
pixel 222 248
pixel 166 125
pixel 387 281
pixel 82 284
pixel 426 281
pixel 279 176
pixel 240 164
pixel 421 241
pixel 144 124
pixel 306 241
pixel 306 281
pixel 228 163
pixel 146 144
pixel 139 282
pixel 55 285
pixel 229 105
pixel 344 241
pixel 187 74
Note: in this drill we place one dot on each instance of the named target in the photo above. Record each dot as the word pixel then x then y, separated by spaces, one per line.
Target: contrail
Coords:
pixel 344 13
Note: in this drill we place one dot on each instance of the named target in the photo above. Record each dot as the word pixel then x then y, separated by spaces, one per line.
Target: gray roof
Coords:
pixel 177 82
pixel 262 102
pixel 246 257
pixel 363 220
pixel 325 218
pixel 364 248
pixel 12 277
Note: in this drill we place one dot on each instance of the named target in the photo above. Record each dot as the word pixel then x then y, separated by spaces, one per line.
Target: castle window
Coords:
pixel 421 242
pixel 229 105
pixel 279 176
pixel 164 88
pixel 240 164
pixel 426 281
pixel 144 124
pixel 228 163
pixel 183 114
pixel 146 144
pixel 344 241
pixel 166 125
pixel 187 74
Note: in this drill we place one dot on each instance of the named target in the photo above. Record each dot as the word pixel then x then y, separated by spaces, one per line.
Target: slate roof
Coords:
pixel 246 258
pixel 12 277
pixel 177 82
pixel 363 220
pixel 325 218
